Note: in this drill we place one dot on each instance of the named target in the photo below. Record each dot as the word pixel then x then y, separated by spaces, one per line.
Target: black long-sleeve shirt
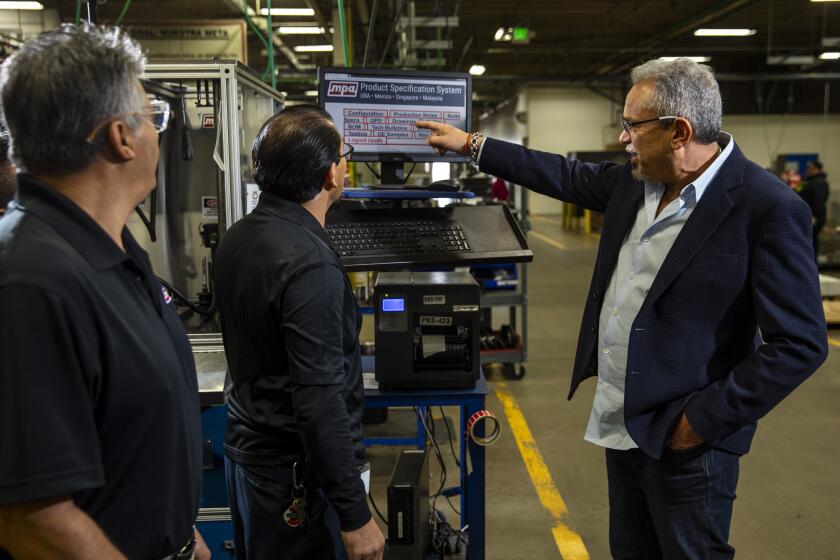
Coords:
pixel 290 325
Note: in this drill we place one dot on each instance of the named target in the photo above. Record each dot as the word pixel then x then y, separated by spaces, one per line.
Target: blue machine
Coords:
pixel 214 516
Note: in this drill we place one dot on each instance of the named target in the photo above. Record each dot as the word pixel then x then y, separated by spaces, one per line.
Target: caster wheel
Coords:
pixel 511 371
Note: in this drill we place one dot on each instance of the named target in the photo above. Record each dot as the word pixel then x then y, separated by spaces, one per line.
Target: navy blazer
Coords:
pixel 733 321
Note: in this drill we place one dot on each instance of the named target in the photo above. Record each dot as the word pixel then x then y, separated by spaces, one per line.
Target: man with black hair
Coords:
pixel 815 193
pixel 290 323
pixel 8 181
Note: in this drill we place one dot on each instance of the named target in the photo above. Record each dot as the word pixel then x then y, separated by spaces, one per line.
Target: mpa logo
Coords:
pixel 343 89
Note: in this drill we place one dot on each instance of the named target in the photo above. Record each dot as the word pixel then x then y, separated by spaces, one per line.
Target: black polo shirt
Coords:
pixel 290 324
pixel 98 391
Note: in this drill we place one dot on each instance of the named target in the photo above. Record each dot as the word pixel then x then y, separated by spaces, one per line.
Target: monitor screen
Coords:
pixel 375 110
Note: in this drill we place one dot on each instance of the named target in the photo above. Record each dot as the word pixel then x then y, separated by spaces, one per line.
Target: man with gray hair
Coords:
pixel 704 310
pixel 100 438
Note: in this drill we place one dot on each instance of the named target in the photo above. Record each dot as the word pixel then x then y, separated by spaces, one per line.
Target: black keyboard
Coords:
pixel 397 238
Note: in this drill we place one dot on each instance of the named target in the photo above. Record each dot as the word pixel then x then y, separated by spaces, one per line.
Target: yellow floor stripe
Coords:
pixel 834 342
pixel 547 220
pixel 568 542
pixel 548 240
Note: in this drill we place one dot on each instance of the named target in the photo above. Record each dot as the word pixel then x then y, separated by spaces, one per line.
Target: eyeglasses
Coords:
pixel 348 154
pixel 158 114
pixel 628 126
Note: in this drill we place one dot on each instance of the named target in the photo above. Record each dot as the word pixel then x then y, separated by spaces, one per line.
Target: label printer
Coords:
pixel 427 330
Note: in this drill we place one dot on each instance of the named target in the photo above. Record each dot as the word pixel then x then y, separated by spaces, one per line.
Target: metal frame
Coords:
pixel 469 401
pixel 229 74
pixel 515 299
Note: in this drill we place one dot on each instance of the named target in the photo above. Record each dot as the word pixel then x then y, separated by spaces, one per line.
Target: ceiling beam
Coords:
pixel 529 50
pixel 262 25
pixel 319 15
pixel 589 79
pixel 364 13
pixel 614 64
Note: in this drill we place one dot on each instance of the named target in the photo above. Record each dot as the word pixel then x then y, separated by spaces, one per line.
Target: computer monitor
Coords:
pixel 375 110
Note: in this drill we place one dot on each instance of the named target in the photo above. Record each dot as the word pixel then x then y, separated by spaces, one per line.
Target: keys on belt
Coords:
pixel 187 551
pixel 295 514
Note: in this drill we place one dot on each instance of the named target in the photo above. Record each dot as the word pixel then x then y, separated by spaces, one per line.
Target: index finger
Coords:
pixel 431 125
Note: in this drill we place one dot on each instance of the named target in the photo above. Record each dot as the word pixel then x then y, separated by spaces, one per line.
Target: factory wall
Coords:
pixel 762 137
pixel 559 120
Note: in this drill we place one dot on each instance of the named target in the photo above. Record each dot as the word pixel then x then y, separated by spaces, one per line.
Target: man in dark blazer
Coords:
pixel 704 310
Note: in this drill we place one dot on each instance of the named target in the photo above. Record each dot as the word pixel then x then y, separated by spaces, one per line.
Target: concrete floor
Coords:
pixel 789 490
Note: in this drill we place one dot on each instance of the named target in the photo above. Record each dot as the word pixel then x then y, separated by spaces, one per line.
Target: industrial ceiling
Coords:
pixel 591 42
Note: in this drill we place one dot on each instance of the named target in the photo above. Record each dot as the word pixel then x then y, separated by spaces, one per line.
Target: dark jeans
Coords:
pixel 259 495
pixel 679 507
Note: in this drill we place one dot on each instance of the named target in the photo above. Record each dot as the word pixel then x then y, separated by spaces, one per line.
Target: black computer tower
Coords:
pixel 408 506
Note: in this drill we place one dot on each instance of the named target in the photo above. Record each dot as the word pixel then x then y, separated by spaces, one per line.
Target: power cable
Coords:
pixel 442 530
pixel 370 31
pixel 376 509
pixel 451 443
pixel 438 454
pixel 391 33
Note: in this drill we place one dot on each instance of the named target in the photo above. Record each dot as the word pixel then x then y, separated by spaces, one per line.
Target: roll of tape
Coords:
pixel 492 427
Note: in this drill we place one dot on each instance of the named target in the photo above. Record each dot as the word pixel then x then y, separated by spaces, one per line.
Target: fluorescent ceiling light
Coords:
pixel 288 11
pixel 299 30
pixel 21 6
pixel 694 58
pixel 311 93
pixel 477 69
pixel 703 32
pixel 794 59
pixel 313 48
pixel 830 55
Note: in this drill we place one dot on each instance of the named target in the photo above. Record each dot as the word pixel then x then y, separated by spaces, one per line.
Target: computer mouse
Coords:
pixel 445 185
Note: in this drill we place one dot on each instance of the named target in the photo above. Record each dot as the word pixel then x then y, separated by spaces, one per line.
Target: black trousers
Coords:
pixel 679 507
pixel 259 496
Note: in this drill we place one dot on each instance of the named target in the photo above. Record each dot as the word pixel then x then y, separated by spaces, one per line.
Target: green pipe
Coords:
pixel 271 48
pixel 123 12
pixel 78 12
pixel 342 24
pixel 267 44
pixel 253 27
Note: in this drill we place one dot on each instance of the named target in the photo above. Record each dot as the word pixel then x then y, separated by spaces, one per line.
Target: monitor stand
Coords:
pixel 392 173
